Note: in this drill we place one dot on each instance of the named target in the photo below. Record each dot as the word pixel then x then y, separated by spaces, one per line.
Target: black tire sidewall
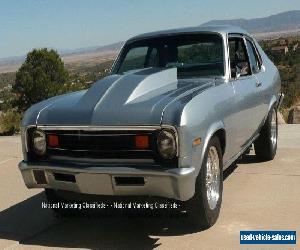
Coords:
pixel 200 210
pixel 212 214
pixel 264 148
pixel 274 149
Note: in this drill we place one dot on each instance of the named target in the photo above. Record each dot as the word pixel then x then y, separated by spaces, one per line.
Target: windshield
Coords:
pixel 193 55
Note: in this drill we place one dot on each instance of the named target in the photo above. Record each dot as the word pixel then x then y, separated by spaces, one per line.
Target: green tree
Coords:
pixel 41 76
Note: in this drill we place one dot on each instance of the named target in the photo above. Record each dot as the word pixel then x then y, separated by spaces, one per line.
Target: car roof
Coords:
pixel 218 29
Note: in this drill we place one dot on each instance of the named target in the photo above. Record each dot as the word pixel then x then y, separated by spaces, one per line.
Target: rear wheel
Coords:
pixel 266 144
pixel 204 208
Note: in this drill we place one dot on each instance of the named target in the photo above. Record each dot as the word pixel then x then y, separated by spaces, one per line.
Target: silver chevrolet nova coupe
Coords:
pixel 179 107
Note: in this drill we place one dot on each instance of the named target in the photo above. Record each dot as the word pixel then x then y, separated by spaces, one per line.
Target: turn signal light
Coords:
pixel 142 141
pixel 53 141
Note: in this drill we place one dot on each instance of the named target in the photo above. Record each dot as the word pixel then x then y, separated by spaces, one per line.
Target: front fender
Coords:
pixel 194 155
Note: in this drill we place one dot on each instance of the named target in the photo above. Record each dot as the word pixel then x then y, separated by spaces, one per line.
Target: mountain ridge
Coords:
pixel 281 24
pixel 288 20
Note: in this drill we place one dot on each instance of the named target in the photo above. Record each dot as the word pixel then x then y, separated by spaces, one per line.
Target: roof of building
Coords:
pixel 221 29
pixel 279 48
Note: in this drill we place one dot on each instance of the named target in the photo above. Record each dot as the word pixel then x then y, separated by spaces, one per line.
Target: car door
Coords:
pixel 244 83
pixel 261 86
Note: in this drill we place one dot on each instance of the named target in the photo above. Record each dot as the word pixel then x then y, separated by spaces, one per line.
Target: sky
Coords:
pixel 70 24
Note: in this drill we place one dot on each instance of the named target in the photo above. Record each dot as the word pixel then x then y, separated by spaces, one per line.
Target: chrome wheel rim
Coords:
pixel 213 177
pixel 273 129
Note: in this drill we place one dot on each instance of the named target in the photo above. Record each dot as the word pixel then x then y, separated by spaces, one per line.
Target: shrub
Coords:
pixel 10 122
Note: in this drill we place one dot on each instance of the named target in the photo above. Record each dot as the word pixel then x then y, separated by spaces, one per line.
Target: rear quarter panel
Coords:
pixel 271 81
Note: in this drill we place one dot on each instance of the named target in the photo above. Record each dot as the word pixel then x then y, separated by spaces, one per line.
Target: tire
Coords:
pixel 201 209
pixel 266 144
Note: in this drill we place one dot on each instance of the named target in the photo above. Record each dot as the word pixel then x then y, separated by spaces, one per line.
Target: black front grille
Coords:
pixel 91 146
pixel 92 141
pixel 101 145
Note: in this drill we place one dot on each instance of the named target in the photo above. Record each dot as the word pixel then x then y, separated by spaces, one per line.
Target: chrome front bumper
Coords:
pixel 177 183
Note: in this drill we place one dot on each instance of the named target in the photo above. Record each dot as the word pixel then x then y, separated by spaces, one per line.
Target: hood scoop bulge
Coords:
pixel 153 84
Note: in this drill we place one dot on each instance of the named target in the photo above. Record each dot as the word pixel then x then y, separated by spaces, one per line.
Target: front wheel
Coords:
pixel 266 144
pixel 204 208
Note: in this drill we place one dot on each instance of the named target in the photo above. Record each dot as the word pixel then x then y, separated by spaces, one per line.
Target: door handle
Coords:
pixel 258 83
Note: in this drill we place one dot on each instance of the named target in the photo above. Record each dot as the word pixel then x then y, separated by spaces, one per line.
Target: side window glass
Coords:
pixel 255 64
pixel 135 59
pixel 239 63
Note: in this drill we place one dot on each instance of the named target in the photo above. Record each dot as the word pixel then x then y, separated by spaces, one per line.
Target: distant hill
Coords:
pixel 105 48
pixel 279 25
pixel 73 58
pixel 289 20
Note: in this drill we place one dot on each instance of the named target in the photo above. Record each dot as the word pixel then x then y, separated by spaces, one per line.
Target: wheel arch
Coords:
pixel 216 129
pixel 273 102
pixel 221 134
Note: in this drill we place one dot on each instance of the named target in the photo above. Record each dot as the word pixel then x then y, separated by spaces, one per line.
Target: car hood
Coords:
pixel 136 98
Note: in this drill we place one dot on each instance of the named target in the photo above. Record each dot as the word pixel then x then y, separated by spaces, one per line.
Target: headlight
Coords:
pixel 166 144
pixel 39 142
